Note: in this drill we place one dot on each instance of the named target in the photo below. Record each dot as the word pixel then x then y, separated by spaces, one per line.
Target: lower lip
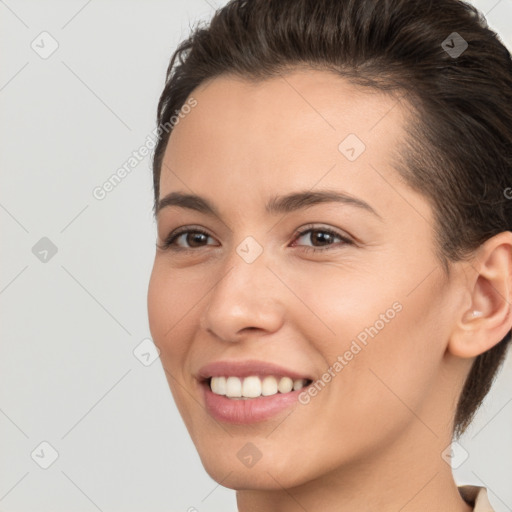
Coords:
pixel 252 410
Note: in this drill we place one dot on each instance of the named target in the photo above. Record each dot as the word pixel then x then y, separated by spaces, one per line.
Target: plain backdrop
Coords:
pixel 79 85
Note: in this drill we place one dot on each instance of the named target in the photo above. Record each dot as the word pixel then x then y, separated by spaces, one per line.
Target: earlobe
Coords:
pixel 489 317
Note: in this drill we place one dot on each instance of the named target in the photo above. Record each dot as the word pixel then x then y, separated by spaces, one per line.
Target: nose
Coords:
pixel 246 297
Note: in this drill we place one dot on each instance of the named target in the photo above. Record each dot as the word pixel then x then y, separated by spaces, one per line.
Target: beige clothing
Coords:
pixel 476 497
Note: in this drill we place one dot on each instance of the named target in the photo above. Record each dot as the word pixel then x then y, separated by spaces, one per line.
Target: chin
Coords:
pixel 230 472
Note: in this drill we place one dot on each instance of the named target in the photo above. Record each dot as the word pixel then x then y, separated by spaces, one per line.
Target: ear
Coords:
pixel 489 317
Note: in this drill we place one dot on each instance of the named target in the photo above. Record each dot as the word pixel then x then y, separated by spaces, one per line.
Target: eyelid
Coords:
pixel 343 236
pixel 169 240
pixel 346 239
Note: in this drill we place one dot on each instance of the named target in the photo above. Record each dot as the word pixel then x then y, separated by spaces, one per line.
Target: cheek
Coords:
pixel 170 309
pixel 169 304
pixel 341 304
pixel 159 305
pixel 382 343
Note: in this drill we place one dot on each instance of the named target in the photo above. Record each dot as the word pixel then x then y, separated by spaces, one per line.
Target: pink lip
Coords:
pixel 243 412
pixel 246 369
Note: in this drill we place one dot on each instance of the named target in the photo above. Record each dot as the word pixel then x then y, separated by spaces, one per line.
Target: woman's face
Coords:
pixel 371 308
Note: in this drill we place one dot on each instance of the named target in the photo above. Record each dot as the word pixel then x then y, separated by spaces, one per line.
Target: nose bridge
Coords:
pixel 244 295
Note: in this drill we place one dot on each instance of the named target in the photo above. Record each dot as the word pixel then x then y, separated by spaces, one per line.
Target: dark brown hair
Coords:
pixel 458 151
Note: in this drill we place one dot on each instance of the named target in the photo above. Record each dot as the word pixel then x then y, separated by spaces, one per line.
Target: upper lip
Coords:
pixel 247 368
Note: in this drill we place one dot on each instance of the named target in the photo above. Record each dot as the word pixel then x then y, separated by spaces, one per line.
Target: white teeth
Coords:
pixel 233 387
pixel 269 386
pixel 285 385
pixel 254 387
pixel 251 387
pixel 218 385
pixel 298 384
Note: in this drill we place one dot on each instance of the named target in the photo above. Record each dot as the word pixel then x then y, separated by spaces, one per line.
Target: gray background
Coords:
pixel 70 324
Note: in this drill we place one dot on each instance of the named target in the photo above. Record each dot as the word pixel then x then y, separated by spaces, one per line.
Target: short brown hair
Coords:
pixel 458 152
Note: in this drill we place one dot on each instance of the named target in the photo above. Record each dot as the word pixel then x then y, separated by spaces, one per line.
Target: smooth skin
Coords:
pixel 372 439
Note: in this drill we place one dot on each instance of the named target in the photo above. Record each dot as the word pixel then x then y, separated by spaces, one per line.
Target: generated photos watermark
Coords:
pixel 356 346
pixel 100 192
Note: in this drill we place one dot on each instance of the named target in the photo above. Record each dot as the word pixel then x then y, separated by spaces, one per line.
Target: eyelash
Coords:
pixel 169 242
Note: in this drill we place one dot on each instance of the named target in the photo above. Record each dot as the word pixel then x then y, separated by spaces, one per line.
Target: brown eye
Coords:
pixel 322 239
pixel 186 239
pixel 195 238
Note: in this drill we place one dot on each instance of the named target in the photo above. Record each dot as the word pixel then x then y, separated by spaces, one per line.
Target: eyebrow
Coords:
pixel 275 205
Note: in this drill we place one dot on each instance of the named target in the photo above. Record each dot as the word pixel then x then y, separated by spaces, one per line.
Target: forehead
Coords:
pixel 290 131
pixel 290 106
